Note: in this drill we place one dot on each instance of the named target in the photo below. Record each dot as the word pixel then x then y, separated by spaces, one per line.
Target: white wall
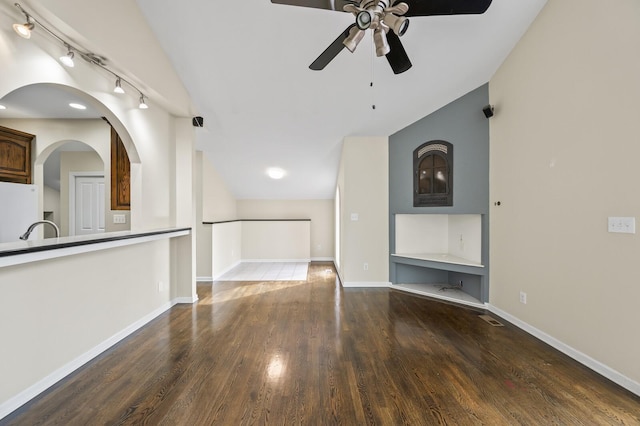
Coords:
pixel 564 157
pixel 214 203
pixel 44 304
pixel 226 247
pixel 276 241
pixel 320 212
pixel 99 300
pixel 364 188
pixel 218 202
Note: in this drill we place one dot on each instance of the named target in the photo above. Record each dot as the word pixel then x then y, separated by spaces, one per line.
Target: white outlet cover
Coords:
pixel 119 218
pixel 621 225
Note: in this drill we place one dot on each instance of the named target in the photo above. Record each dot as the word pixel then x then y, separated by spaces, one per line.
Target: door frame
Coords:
pixel 72 196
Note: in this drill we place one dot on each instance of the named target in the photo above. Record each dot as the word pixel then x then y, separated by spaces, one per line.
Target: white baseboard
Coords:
pixel 204 279
pixel 303 260
pixel 322 259
pixel 365 284
pixel 185 300
pixel 34 390
pixel 586 360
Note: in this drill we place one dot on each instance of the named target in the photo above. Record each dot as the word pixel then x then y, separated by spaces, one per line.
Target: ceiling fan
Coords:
pixel 388 19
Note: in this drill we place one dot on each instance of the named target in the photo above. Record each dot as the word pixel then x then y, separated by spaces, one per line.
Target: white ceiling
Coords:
pixel 245 65
pixel 45 101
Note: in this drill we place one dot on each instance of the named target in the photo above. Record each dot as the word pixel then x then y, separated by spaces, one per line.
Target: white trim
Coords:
pixel 365 284
pixel 204 279
pixel 600 368
pixel 275 260
pixel 479 305
pixel 72 196
pixel 34 390
pixel 185 300
pixel 19 259
pixel 323 259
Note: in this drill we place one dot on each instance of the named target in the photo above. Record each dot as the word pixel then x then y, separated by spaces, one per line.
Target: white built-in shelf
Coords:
pixel 441 258
pixel 446 239
pixel 440 291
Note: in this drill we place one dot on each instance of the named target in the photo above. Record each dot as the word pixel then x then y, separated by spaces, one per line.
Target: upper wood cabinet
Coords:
pixel 120 174
pixel 15 155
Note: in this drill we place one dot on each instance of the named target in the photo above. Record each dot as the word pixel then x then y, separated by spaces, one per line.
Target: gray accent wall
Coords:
pixel 463 124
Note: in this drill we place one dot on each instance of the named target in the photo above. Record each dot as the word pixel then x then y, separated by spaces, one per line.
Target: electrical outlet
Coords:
pixel 523 297
pixel 366 266
pixel 622 225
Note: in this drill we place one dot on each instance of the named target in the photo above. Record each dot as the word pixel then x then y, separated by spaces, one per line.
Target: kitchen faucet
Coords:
pixel 25 236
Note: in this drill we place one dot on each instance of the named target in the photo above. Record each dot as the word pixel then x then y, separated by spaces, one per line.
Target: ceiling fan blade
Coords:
pixel 445 7
pixel 331 51
pixel 317 4
pixel 397 57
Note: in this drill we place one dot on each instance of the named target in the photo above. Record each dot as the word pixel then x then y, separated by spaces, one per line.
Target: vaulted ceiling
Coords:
pixel 245 67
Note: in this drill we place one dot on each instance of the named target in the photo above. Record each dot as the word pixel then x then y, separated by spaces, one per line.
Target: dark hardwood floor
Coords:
pixel 314 353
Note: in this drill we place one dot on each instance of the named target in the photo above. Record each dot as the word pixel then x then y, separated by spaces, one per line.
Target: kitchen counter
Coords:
pixel 20 252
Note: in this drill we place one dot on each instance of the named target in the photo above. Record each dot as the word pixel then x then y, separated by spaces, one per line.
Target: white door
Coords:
pixel 89 205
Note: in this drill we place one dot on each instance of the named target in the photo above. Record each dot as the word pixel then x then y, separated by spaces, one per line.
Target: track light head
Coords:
pixel 143 104
pixel 380 40
pixel 118 88
pixel 24 30
pixel 355 35
pixel 67 60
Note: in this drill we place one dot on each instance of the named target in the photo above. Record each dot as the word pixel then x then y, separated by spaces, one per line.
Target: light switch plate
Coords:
pixel 354 216
pixel 119 218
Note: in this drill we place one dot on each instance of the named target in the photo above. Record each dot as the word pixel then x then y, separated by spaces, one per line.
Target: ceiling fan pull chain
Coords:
pixel 373 77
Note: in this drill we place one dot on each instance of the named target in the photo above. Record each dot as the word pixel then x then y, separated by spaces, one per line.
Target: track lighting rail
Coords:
pixel 24 30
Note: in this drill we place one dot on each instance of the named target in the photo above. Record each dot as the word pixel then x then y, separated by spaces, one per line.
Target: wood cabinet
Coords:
pixel 120 174
pixel 15 155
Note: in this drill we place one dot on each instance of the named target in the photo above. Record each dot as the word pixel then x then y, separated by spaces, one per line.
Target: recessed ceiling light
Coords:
pixel 276 172
pixel 3 107
pixel 77 106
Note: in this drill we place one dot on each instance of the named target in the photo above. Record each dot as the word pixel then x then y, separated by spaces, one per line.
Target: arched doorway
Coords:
pixel 43 110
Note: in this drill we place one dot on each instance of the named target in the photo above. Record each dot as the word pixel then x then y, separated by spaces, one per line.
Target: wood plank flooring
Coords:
pixel 314 353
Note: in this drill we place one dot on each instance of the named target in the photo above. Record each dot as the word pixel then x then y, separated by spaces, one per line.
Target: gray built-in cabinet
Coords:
pixel 443 251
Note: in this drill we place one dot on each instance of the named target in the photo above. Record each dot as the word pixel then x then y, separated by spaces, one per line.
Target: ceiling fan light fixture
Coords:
pixel 355 36
pixel 24 30
pixel 380 40
pixel 364 19
pixel 399 24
